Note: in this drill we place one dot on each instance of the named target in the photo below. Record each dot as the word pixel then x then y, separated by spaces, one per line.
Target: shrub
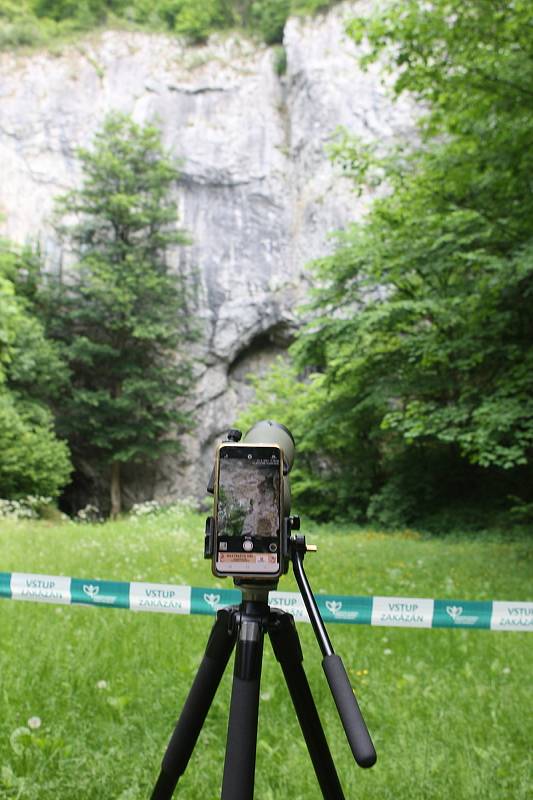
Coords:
pixel 269 17
pixel 32 460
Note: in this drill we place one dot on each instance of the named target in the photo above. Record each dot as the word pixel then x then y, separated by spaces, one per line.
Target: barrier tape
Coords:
pixel 401 612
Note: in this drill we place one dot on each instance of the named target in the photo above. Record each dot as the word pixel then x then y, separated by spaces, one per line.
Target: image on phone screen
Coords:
pixel 248 512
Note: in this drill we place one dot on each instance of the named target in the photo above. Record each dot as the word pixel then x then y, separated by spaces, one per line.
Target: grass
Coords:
pixel 449 710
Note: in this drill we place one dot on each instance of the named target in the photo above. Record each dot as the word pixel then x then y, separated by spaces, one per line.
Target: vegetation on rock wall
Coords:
pixel 40 22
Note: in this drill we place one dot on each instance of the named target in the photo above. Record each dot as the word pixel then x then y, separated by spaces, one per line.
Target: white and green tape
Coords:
pixel 402 612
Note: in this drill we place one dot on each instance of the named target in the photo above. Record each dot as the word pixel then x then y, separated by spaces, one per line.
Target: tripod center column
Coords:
pixel 239 766
pixel 249 654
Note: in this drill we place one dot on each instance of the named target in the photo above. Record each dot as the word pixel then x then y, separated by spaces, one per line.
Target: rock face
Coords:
pixel 258 194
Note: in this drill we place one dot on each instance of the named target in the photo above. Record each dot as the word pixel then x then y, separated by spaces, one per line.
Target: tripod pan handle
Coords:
pixel 351 717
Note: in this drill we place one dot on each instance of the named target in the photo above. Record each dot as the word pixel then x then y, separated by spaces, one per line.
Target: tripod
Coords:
pixel 245 626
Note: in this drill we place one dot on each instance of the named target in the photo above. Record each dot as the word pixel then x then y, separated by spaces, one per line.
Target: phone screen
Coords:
pixel 248 509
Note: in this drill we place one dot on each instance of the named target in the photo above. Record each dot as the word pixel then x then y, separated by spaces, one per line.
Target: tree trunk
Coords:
pixel 116 492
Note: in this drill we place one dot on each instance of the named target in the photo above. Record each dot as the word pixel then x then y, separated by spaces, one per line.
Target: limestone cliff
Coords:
pixel 258 194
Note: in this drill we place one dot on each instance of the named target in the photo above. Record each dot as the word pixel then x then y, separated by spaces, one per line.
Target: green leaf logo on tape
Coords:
pixel 209 601
pixel 345 609
pixel 461 614
pixel 100 593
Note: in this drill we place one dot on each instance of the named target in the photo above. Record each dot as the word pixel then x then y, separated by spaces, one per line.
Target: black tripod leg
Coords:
pixel 202 692
pixel 239 765
pixel 287 649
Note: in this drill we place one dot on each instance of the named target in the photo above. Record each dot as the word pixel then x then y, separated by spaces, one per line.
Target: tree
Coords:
pixel 122 312
pixel 423 330
pixel 33 461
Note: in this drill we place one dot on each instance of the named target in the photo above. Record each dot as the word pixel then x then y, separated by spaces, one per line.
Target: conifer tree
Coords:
pixel 123 311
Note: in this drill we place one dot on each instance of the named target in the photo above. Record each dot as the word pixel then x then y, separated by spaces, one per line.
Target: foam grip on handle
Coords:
pixel 351 717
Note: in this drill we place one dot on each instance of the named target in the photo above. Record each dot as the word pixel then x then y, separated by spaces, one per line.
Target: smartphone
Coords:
pixel 248 510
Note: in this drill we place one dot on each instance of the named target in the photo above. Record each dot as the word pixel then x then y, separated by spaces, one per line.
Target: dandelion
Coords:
pixel 34 723
pixel 506 670
pixel 101 685
pixel 387 651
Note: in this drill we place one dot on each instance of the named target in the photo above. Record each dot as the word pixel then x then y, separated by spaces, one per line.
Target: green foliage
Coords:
pixel 86 12
pixel 333 470
pixel 196 20
pixel 33 366
pixel 269 18
pixel 39 22
pixel 19 27
pixel 422 327
pixel 32 460
pixel 312 6
pixel 123 315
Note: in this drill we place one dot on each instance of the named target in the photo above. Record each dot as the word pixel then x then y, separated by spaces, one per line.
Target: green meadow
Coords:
pixel 89 697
